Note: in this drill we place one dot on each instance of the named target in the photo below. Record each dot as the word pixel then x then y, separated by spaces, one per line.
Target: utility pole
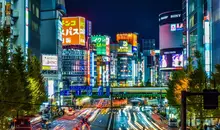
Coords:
pixel 183 110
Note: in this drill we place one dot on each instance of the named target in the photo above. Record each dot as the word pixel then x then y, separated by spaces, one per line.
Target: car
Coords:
pixel 173 123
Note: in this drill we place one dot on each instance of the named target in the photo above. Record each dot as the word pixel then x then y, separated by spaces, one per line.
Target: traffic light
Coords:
pixel 210 99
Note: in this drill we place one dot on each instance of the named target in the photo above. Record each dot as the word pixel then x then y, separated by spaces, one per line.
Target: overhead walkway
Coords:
pixel 137 89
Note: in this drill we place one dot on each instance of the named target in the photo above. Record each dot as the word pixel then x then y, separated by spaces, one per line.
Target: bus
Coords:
pixel 28 123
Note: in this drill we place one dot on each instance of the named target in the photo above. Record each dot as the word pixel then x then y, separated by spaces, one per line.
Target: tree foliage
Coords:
pixel 192 80
pixel 21 82
pixel 175 78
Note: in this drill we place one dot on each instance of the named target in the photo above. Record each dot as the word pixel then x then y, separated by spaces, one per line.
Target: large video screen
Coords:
pixel 171 59
pixel 171 36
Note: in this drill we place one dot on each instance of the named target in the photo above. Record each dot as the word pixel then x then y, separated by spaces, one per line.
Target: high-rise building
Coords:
pixel 213 7
pixel 52 12
pixel 76 54
pixel 197 35
pixel 127 59
pixel 113 64
pixel 23 20
pixel 147 46
pixel 171 47
pixel 102 60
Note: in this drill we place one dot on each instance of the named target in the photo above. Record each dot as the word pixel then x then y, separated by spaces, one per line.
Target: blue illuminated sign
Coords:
pixel 134 49
pixel 100 91
pixel 107 91
pixel 65 93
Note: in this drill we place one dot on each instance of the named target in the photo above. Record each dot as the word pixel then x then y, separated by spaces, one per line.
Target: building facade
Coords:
pixel 22 18
pixel 170 44
pixel 214 23
pixel 147 46
pixel 197 19
pixel 76 56
pixel 51 45
pixel 127 59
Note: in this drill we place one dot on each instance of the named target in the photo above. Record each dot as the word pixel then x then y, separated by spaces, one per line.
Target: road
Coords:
pixel 121 120
pixel 64 124
pixel 100 122
pixel 69 122
pixel 128 118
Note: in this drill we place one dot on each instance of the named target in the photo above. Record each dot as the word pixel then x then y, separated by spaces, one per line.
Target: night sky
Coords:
pixel 112 16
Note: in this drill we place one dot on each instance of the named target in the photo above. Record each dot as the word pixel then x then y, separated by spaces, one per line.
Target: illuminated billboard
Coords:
pixel 107 46
pixel 129 37
pixel 176 27
pixel 89 28
pixel 171 59
pixel 100 44
pixel 59 30
pixel 170 30
pixel 170 17
pixel 49 62
pixel 124 47
pixel 88 68
pixel 73 31
pixel 170 37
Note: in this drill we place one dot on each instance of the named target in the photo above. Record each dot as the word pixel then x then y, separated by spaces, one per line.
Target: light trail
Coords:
pixel 150 122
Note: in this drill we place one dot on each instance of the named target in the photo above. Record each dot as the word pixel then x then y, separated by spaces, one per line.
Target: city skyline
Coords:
pixel 102 15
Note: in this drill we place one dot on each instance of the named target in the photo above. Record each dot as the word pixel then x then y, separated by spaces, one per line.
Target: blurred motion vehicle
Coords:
pixel 28 123
pixel 172 122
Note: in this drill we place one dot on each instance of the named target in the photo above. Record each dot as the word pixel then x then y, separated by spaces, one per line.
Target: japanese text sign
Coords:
pixel 73 31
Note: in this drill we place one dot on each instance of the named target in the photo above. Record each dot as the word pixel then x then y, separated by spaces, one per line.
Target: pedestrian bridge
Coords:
pixel 136 89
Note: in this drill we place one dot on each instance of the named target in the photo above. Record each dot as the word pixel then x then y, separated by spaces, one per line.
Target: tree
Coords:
pixel 21 82
pixel 190 80
pixel 198 83
pixel 18 78
pixel 4 71
pixel 36 81
pixel 172 90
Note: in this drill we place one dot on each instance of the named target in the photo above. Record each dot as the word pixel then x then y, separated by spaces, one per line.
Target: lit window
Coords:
pixel 37 12
pixel 33 8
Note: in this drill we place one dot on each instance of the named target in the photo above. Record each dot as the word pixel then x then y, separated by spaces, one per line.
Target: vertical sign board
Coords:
pixel 88 69
pixel 82 27
pixel 73 31
pixel 59 30
pixel 107 46
pixel 89 28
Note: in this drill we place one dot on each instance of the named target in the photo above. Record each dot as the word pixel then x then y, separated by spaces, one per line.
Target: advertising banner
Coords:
pixel 131 38
pixel 124 47
pixel 100 43
pixel 49 62
pixel 89 28
pixel 107 46
pixel 82 27
pixel 170 36
pixel 73 31
pixel 171 59
pixel 176 27
pixel 88 68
